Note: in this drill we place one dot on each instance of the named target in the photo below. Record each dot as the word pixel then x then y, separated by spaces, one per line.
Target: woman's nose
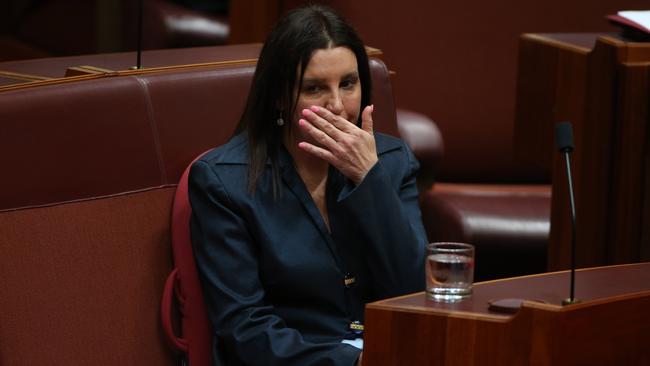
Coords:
pixel 335 103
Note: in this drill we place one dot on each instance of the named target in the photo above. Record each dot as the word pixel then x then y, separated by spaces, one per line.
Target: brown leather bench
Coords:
pixel 90 166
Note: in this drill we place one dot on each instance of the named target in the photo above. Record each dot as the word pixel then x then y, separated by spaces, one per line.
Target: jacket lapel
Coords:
pixel 296 186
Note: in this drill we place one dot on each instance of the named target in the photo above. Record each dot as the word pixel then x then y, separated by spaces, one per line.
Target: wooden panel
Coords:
pixel 606 98
pixel 551 86
pixel 635 52
pixel 610 327
pixel 631 144
pixel 606 332
pixel 591 169
pixel 645 218
pixel 536 90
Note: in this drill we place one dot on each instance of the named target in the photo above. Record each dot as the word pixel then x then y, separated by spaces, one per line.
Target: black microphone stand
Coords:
pixel 564 140
pixel 138 65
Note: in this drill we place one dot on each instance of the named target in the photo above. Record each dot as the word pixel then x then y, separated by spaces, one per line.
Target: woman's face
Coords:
pixel 331 80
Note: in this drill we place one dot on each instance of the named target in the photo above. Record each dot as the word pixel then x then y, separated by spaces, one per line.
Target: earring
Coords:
pixel 280 120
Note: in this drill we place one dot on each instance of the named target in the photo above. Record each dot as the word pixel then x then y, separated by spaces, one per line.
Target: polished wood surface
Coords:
pixel 54 69
pixel 630 156
pixel 9 78
pixel 611 326
pixel 540 98
pixel 600 83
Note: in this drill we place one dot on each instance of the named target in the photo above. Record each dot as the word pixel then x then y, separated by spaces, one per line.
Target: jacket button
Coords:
pixel 349 280
pixel 356 328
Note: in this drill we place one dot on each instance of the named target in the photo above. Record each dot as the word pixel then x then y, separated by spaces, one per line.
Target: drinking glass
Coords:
pixel 449 271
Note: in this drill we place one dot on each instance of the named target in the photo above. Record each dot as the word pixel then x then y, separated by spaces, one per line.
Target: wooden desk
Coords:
pixel 601 83
pixel 610 327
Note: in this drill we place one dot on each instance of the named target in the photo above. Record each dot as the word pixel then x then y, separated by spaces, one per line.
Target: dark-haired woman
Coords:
pixel 305 215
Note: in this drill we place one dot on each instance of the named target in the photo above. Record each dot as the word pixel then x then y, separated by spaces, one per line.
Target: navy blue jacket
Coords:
pixel 274 277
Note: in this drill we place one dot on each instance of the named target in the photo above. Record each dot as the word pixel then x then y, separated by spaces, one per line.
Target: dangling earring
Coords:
pixel 280 120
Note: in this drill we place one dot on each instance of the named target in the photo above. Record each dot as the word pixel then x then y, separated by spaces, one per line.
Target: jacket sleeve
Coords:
pixel 227 260
pixel 384 207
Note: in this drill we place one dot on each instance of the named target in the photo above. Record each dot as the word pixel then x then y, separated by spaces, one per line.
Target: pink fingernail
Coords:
pixel 314 108
pixel 305 112
pixel 302 122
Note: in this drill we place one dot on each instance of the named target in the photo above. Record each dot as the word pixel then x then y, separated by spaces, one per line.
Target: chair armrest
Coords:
pixel 176 26
pixel 422 135
pixel 167 310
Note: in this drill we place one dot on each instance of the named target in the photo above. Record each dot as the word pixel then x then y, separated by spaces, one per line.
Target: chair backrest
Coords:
pixel 183 284
pixel 80 281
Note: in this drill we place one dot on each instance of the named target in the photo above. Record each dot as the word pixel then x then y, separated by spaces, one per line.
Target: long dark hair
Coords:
pixel 289 48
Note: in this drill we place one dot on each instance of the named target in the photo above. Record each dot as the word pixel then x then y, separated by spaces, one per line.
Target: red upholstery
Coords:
pixel 81 281
pixel 509 224
pixel 195 108
pixel 183 281
pixel 64 142
pixel 424 138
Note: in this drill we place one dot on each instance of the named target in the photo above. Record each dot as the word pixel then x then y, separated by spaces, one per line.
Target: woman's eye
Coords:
pixel 349 84
pixel 312 89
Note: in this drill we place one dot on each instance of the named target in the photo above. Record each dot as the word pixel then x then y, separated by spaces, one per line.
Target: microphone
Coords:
pixel 564 143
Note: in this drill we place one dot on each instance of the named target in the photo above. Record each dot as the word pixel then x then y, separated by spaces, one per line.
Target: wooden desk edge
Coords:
pixel 556 43
pixel 101 73
pixel 387 304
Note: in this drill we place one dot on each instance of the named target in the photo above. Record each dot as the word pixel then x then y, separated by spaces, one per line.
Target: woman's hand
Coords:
pixel 345 146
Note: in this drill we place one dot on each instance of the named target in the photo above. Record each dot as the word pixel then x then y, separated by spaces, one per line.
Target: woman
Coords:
pixel 306 214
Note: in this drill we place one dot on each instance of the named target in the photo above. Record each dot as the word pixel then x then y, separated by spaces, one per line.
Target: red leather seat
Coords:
pixel 508 223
